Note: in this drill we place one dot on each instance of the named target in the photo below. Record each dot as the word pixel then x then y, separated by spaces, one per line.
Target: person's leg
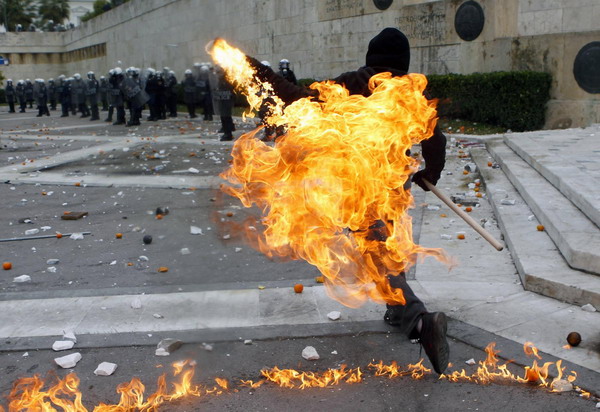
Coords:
pixel 405 316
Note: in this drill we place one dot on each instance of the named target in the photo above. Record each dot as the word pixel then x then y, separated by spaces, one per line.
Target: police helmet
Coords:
pixel 118 71
pixel 90 75
pixel 103 78
pixel 284 64
pixel 9 81
pixel 28 80
pixel 51 80
pixel 77 76
pixel 188 72
pixel 61 77
pixel 265 63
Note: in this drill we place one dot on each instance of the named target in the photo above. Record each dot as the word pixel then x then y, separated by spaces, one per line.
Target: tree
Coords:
pixel 18 12
pixel 56 10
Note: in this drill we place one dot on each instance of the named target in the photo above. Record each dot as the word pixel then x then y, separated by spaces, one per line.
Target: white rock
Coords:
pixel 22 279
pixel 598 405
pixel 143 258
pixel 470 361
pixel 52 262
pixel 76 236
pixel 69 335
pixel 227 237
pixel 62 345
pixel 114 262
pixel 136 303
pixel 588 308
pixel 26 355
pixel 44 228
pixel 562 385
pixel 51 269
pixel 169 345
pixel 193 170
pixel 185 251
pixel 334 352
pixel 195 230
pixel 207 347
pixel 508 202
pixel 310 353
pixel 105 369
pixel 433 207
pixel 68 361
pixel 445 237
pixel 32 231
pixel 248 342
pixel 531 218
pixel 161 352
pixel 238 249
pixel 158 316
pixel 334 315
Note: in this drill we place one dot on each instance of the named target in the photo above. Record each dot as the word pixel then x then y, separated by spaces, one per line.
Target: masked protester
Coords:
pixel 389 51
pixel 9 92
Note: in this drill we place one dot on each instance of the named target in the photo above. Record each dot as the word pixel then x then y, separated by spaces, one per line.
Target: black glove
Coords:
pixel 425 174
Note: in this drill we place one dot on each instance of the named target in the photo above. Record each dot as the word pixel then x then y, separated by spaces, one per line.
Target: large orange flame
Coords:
pixel 338 171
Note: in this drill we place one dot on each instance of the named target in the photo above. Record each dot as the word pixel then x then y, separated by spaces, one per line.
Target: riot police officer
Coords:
pixel 223 103
pixel 41 97
pixel 103 88
pixel 152 88
pixel 286 72
pixel 203 91
pixel 78 95
pixel 9 92
pixel 171 93
pixel 52 94
pixel 92 95
pixel 135 97
pixel 64 95
pixel 20 93
pixel 117 95
pixel 29 93
pixel 189 93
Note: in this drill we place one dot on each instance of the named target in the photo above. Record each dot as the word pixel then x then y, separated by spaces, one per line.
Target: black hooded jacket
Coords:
pixel 389 51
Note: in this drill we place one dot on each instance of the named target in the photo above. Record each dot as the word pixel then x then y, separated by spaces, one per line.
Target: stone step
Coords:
pixel 577 238
pixel 540 265
pixel 568 161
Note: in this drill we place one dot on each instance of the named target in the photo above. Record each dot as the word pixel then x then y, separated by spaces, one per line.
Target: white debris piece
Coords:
pixel 143 258
pixel 114 262
pixel 22 279
pixel 76 236
pixel 51 269
pixel 238 249
pixel 598 405
pixel 168 345
pixel 334 315
pixel 69 335
pixel 44 228
pixel 508 202
pixel 62 345
pixel 195 230
pixel 227 237
pixel 470 361
pixel 52 262
pixel 445 237
pixel 207 347
pixel 562 385
pixel 334 352
pixel 158 316
pixel 531 218
pixel 185 251
pixel 32 231
pixel 136 303
pixel 433 207
pixel 310 353
pixel 26 355
pixel 248 342
pixel 68 361
pixel 193 170
pixel 588 308
pixel 105 369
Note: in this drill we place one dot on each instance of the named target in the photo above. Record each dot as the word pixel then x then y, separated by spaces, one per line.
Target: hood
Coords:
pixel 391 49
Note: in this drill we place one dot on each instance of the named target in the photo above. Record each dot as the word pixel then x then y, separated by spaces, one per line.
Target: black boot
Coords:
pixel 433 339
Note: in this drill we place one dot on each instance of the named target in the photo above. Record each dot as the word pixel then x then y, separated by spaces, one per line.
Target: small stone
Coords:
pixel 105 369
pixel 25 355
pixel 143 258
pixel 52 262
pixel 193 170
pixel 169 345
pixel 248 342
pixel 68 361
pixel 238 249
pixel 76 236
pixel 445 237
pixel 136 303
pixel 207 347
pixel 62 345
pixel 161 352
pixel 334 352
pixel 598 405
pixel 334 315
pixel 470 361
pixel 531 218
pixel 32 231
pixel 433 207
pixel 185 251
pixel 195 230
pixel 51 269
pixel 471 167
pixel 22 279
pixel 147 239
pixel 562 385
pixel 588 308
pixel 508 202
pixel 227 237
pixel 310 353
pixel 158 316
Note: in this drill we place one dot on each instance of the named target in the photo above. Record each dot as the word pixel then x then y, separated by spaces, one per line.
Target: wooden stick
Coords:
pixel 486 235
pixel 16 239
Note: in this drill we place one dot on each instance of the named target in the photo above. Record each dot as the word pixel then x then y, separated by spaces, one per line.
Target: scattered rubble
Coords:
pixel 562 385
pixel 195 230
pixel 588 307
pixel 22 279
pixel 68 361
pixel 167 346
pixel 310 353
pixel 334 315
pixel 52 262
pixel 105 369
pixel 60 345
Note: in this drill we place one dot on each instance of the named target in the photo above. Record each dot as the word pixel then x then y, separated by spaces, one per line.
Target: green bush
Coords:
pixel 515 100
pixel 306 82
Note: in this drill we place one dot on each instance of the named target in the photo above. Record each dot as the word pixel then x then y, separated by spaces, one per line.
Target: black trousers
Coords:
pixel 405 316
pixel 11 106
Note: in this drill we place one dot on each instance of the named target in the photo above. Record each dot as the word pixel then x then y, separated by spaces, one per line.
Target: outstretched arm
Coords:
pixel 286 91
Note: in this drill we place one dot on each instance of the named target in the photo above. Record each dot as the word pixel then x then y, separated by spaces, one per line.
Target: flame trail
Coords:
pixel 338 171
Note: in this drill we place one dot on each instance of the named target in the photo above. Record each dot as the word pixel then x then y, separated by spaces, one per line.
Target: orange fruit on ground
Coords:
pixel 159 217
pixel 7 266
pixel 319 279
pixel 443 215
pixel 468 209
pixel 460 236
pixel 58 235
pixel 298 287
pixel 119 235
pixel 465 172
pixel 163 269
pixel 78 184
pixel 478 194
pixel 540 228
pixel 477 184
pixel 490 164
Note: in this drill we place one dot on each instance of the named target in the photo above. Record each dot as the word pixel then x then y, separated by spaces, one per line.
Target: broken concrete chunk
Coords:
pixel 52 262
pixel 185 251
pixel 508 202
pixel 69 335
pixel 161 352
pixel 169 345
pixel 195 230
pixel 310 353
pixel 32 231
pixel 334 315
pixel 68 361
pixel 51 269
pixel 76 236
pixel 470 361
pixel 588 308
pixel 562 385
pixel 207 347
pixel 445 237
pixel 62 345
pixel 22 279
pixel 158 316
pixel 136 303
pixel 105 369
